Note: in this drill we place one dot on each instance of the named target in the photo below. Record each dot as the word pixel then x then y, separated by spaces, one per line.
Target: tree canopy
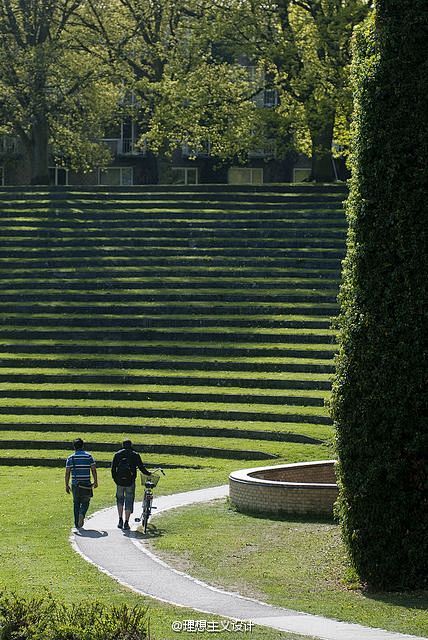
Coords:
pixel 51 90
pixel 64 64
pixel 304 48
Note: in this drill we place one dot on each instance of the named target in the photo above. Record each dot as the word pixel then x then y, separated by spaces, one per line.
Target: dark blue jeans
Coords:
pixel 80 505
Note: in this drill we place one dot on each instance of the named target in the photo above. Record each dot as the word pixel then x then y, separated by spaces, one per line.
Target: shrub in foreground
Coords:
pixel 45 619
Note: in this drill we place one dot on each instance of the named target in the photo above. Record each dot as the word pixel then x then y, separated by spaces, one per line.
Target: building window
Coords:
pixel 184 175
pixel 8 144
pixel 203 152
pixel 270 98
pixel 301 174
pixel 116 176
pixel 245 175
pixel 58 176
pixel 267 151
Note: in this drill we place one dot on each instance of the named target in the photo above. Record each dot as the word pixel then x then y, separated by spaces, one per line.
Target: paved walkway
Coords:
pixel 127 558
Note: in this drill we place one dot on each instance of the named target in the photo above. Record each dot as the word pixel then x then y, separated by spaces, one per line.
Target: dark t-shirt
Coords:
pixel 135 462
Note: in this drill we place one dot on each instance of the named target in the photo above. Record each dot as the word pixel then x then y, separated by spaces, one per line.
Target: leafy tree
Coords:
pixel 304 46
pixel 379 402
pixel 50 89
pixel 184 94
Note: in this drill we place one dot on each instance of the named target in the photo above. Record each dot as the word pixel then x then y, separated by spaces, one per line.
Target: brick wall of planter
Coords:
pixel 302 488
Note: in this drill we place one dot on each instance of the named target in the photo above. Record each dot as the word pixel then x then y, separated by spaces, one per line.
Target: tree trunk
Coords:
pixel 39 151
pixel 163 166
pixel 321 126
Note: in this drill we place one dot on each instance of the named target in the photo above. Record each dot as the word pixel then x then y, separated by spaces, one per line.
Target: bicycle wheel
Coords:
pixel 147 509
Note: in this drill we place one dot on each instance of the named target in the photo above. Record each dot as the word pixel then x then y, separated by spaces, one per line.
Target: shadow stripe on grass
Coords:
pixel 98 261
pixel 161 323
pixel 147 335
pixel 93 283
pixel 135 396
pixel 202 432
pixel 186 450
pixel 60 463
pixel 74 363
pixel 165 413
pixel 175 245
pixel 90 378
pixel 188 309
pixel 72 348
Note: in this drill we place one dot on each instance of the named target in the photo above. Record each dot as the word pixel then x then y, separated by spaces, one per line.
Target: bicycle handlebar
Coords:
pixel 158 469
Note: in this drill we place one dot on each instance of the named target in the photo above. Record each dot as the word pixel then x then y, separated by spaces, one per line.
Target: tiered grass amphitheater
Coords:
pixel 196 321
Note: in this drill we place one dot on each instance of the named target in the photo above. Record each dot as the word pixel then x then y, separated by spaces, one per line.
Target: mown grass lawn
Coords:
pixel 35 522
pixel 291 562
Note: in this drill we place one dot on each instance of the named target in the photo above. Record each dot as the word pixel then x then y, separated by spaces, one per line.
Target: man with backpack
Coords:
pixel 124 472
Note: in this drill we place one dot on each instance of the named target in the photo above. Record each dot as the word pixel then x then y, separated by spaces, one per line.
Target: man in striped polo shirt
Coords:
pixel 80 465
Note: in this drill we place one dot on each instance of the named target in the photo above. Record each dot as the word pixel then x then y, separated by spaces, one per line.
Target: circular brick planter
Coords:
pixel 303 488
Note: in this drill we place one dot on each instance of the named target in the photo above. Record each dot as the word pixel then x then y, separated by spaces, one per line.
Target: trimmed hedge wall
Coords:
pixel 379 402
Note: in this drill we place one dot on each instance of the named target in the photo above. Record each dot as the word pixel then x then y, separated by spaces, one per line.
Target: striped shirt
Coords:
pixel 80 470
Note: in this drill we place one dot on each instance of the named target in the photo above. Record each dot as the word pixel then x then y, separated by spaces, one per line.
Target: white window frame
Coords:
pixel 305 170
pixel 270 98
pixel 186 174
pixel 57 168
pixel 121 172
pixel 251 172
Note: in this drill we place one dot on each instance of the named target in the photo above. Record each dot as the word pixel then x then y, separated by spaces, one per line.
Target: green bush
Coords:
pixel 379 402
pixel 44 619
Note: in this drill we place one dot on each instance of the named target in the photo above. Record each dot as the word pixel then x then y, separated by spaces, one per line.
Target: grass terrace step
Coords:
pixel 182 197
pixel 183 431
pixel 100 321
pixel 23 227
pixel 36 461
pixel 208 275
pixel 197 309
pixel 173 262
pixel 200 432
pixel 177 296
pixel 194 451
pixel 103 190
pixel 198 335
pixel 162 397
pixel 241 198
pixel 132 237
pixel 142 413
pixel 175 284
pixel 312 368
pixel 111 379
pixel 158 256
pixel 110 441
pixel 176 351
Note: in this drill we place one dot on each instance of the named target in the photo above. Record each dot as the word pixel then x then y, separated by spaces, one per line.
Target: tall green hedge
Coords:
pixel 379 401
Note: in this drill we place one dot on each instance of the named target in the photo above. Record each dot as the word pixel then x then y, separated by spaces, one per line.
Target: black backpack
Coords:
pixel 124 471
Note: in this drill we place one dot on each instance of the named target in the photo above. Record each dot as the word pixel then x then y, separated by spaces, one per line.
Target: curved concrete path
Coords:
pixel 125 556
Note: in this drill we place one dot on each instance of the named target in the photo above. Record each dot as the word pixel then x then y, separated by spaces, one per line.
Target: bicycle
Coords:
pixel 149 483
